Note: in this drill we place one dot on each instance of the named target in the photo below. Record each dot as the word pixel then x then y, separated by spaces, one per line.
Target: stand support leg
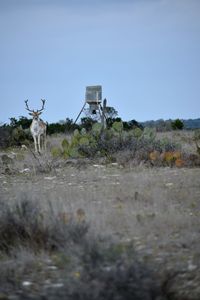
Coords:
pixel 80 113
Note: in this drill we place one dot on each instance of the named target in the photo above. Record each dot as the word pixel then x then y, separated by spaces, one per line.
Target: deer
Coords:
pixel 38 127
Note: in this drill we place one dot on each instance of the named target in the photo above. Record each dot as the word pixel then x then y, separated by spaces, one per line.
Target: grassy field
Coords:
pixel 93 229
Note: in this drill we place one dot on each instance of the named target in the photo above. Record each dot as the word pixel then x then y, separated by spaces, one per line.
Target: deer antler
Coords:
pixel 26 101
pixel 43 103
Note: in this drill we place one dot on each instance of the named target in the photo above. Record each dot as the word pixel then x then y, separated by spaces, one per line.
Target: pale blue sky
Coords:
pixel 144 53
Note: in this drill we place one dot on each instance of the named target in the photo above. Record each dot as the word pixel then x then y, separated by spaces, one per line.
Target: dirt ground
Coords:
pixel 158 209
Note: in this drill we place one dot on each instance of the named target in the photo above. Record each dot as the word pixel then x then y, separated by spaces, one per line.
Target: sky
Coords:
pixel 144 53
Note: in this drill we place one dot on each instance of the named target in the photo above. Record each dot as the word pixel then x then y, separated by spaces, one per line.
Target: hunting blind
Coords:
pixel 93 97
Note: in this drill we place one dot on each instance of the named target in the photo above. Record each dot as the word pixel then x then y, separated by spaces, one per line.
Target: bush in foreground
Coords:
pixel 24 224
pixel 59 259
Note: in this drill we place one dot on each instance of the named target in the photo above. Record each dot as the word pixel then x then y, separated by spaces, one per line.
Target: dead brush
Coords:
pixel 25 224
pixel 93 269
pixel 41 163
pixel 36 163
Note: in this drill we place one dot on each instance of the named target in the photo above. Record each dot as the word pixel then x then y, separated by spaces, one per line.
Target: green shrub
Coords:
pixel 177 124
pixel 115 142
pixel 56 152
pixel 118 127
pixel 137 132
pixel 84 141
pixel 65 144
pixel 96 129
pixel 149 133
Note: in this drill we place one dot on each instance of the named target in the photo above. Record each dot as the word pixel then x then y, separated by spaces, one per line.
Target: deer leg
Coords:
pixel 45 141
pixel 39 143
pixel 35 143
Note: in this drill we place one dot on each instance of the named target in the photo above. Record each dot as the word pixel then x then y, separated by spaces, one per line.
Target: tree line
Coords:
pixel 17 131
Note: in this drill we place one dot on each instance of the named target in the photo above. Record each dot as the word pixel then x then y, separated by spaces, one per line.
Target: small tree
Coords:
pixel 13 122
pixel 132 125
pixel 177 124
pixel 23 122
pixel 111 121
pixel 110 112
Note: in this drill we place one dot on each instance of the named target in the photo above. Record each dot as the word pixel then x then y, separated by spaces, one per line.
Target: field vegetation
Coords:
pixel 102 214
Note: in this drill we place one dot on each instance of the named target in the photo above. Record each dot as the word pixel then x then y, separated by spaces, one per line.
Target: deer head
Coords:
pixel 35 114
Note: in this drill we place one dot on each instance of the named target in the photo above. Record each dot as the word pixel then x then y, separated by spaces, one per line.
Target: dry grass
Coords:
pixel 185 138
pixel 139 218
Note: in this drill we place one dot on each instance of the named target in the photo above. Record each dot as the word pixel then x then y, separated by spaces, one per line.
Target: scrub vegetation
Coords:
pixel 103 214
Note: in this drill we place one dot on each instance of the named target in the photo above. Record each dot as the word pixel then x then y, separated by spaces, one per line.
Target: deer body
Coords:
pixel 37 128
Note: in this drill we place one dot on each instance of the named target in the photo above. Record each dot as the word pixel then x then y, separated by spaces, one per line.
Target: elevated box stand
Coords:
pixel 93 97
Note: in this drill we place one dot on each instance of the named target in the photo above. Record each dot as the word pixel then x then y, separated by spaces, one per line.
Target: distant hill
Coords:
pixel 191 123
pixel 165 124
